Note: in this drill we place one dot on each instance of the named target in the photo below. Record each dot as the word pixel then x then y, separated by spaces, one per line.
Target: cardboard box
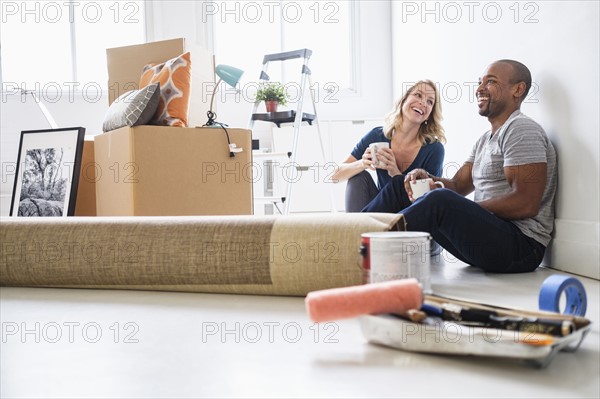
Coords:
pixel 85 204
pixel 125 66
pixel 171 171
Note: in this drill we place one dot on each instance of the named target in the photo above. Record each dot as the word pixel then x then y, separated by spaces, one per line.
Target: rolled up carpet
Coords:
pixel 271 255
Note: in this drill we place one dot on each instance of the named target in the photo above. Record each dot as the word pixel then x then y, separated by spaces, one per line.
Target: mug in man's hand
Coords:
pixel 375 148
pixel 421 186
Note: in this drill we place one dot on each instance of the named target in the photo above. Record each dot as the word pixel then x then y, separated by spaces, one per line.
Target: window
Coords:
pixel 245 31
pixel 62 45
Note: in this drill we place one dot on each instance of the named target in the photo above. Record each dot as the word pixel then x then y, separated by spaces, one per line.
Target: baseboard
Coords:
pixel 575 248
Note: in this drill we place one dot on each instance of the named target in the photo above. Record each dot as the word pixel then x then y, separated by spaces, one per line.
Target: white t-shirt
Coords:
pixel 519 141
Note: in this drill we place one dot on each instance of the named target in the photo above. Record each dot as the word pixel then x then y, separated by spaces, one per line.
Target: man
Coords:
pixel 512 169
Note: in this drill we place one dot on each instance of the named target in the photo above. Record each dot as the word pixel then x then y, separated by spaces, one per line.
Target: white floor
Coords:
pixel 94 343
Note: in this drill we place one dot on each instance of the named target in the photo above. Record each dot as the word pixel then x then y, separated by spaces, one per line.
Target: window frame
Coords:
pixel 73 87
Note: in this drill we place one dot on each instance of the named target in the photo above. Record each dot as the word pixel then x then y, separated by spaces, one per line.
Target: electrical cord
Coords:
pixel 212 116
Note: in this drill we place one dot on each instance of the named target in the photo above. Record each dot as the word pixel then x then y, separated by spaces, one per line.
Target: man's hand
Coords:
pixel 413 175
pixel 461 182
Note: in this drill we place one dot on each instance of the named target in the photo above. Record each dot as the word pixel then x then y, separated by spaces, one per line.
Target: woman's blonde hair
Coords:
pixel 430 131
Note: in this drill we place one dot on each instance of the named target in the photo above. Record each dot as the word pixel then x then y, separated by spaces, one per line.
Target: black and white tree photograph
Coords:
pixel 47 172
pixel 44 183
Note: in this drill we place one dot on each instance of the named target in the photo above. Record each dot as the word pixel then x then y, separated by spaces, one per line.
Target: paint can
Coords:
pixel 396 255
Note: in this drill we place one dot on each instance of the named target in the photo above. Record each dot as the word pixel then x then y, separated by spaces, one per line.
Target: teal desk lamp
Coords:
pixel 231 76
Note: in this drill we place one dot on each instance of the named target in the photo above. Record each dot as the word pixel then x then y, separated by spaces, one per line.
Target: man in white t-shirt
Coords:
pixel 511 170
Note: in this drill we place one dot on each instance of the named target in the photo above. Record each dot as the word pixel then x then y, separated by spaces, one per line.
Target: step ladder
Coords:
pixel 297 117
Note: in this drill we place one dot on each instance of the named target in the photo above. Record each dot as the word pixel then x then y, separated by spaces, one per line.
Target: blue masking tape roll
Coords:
pixel 552 289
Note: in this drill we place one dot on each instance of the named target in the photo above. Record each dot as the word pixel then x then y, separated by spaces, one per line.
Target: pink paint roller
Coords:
pixel 397 296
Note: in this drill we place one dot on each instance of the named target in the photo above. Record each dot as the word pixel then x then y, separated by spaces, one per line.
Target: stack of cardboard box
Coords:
pixel 165 171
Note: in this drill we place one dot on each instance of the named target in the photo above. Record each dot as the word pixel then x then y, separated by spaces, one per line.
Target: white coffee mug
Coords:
pixel 421 186
pixel 375 148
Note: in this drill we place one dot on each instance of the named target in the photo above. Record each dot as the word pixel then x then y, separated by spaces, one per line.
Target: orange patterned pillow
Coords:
pixel 174 77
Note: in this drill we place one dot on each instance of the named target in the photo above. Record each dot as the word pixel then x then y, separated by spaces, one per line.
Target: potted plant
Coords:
pixel 273 94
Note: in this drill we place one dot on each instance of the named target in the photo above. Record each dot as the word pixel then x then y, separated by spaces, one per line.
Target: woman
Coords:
pixel 415 135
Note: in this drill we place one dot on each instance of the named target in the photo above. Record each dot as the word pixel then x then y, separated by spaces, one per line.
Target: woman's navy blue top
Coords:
pixel 430 156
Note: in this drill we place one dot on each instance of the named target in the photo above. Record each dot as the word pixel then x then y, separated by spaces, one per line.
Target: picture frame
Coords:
pixel 47 172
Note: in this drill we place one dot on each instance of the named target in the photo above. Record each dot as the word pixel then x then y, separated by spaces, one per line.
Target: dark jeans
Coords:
pixel 463 228
pixel 360 190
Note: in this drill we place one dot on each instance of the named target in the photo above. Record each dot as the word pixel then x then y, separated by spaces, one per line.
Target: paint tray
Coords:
pixel 452 338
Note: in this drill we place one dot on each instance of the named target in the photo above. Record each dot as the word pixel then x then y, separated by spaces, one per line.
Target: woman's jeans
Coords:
pixel 465 229
pixel 360 190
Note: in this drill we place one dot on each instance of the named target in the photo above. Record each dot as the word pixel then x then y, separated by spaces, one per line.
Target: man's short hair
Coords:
pixel 520 74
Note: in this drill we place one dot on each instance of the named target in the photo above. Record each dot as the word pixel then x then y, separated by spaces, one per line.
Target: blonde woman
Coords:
pixel 415 138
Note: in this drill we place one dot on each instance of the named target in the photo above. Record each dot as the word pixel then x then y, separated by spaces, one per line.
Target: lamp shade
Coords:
pixel 229 74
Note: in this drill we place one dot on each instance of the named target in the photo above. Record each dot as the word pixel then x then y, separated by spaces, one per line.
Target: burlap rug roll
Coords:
pixel 273 255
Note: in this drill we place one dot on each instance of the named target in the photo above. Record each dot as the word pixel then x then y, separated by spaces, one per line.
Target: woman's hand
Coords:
pixel 387 161
pixel 367 160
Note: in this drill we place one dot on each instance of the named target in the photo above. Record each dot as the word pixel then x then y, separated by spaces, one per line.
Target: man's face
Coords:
pixel 495 92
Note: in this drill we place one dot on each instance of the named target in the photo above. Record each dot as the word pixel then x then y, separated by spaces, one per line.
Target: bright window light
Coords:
pixel 245 32
pixel 51 46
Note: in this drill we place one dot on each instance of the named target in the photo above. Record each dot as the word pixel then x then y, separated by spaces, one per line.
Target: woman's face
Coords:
pixel 419 103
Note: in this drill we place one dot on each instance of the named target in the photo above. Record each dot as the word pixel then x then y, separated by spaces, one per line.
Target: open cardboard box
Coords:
pixel 125 66
pixel 170 171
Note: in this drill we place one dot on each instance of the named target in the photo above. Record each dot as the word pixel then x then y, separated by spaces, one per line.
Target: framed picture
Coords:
pixel 47 175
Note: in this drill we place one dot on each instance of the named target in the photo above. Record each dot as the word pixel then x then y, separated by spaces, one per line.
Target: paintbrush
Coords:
pixel 577 321
pixel 491 318
pixel 524 337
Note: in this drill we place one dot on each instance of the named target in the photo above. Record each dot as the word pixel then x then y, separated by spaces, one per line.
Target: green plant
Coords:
pixel 272 91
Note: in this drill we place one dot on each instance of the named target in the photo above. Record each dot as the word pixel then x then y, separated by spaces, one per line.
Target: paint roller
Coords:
pixel 396 296
pixel 404 297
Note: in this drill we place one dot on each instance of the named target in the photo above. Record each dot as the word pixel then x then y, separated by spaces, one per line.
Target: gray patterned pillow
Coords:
pixel 136 107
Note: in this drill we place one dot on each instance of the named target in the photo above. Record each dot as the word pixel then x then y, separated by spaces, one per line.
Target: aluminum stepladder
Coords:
pixel 297 117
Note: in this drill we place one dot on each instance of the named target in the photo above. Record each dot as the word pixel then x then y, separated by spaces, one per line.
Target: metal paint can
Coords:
pixel 397 255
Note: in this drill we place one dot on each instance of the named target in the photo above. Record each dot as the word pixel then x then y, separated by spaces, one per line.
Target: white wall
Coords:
pixel 559 42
